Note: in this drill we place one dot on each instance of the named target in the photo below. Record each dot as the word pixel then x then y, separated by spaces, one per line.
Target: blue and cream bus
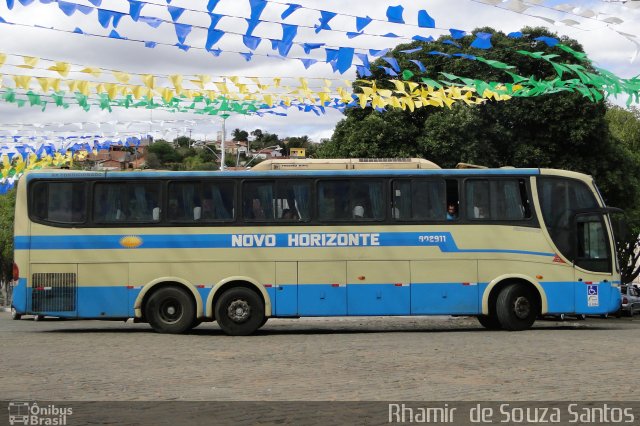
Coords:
pixel 175 249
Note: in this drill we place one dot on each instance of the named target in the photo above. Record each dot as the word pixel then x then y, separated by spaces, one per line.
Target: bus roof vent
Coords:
pixel 469 166
pixel 345 163
pixel 384 160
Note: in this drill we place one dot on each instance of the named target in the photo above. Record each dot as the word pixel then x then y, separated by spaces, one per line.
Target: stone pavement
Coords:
pixel 320 359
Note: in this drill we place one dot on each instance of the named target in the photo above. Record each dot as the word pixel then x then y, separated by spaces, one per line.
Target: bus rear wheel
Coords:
pixel 517 307
pixel 170 310
pixel 490 322
pixel 239 311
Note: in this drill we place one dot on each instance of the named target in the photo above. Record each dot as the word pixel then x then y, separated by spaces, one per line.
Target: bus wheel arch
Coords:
pixel 496 285
pixel 157 284
pixel 232 282
pixel 514 302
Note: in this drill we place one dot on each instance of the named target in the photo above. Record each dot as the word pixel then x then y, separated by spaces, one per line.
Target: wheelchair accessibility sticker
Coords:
pixel 592 296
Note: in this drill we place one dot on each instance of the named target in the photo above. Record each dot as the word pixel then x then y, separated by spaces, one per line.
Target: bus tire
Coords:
pixel 38 317
pixel 490 322
pixel 15 315
pixel 239 311
pixel 264 321
pixel 517 307
pixel 170 310
pixel 195 323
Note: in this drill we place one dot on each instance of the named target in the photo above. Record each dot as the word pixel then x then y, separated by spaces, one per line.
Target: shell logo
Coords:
pixel 131 241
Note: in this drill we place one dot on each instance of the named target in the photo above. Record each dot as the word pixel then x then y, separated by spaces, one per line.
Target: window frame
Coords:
pixel 164 218
pixel 276 182
pixel 575 238
pixel 30 203
pixel 128 224
pixel 442 178
pixel 530 221
pixel 383 180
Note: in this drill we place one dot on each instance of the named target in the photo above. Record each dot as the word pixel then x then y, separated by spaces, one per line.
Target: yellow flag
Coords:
pixel 138 91
pixel 3 58
pixel 222 88
pixel 22 81
pixel 45 83
pixel 324 97
pixel 201 80
pixel 363 99
pixel 96 72
pixel 167 94
pixel 399 85
pixel 176 80
pixel 123 77
pixel 61 68
pixel 73 85
pixel 149 81
pixel 112 90
pixel 29 62
pixel 267 99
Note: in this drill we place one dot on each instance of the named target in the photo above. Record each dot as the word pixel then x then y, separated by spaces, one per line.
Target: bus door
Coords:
pixel 52 290
pixel 322 288
pixel 378 288
pixel 593 265
pixel 286 289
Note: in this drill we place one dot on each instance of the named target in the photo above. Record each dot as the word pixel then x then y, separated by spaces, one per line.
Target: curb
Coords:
pixel 5 309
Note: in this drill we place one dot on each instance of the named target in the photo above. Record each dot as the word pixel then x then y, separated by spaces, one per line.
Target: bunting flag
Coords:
pixel 15 159
pixel 174 89
pixel 110 19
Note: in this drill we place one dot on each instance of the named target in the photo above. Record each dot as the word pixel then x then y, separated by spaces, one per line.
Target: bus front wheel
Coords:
pixel 490 322
pixel 517 307
pixel 239 311
pixel 170 310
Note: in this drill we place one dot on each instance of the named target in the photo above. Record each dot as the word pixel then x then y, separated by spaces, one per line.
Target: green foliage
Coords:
pixel 563 130
pixel 240 135
pixel 164 152
pixel 300 142
pixel 7 212
pixel 183 141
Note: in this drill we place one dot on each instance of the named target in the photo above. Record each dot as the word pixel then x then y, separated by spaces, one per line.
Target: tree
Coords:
pixel 562 130
pixel 7 212
pixel 559 130
pixel 164 151
pixel 624 126
pixel 240 135
pixel 183 141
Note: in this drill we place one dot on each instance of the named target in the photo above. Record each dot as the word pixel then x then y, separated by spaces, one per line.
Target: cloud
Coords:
pixel 606 47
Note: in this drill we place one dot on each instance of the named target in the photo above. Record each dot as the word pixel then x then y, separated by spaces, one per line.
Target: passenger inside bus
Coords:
pixel 208 212
pixel 452 211
pixel 257 212
pixel 289 214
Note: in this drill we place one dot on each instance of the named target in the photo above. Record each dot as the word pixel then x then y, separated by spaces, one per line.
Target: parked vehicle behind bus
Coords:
pixel 177 248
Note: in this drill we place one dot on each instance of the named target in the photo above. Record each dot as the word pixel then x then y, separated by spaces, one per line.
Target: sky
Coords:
pixel 611 44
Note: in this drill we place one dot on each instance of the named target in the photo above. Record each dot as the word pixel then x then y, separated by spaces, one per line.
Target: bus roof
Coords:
pixel 131 175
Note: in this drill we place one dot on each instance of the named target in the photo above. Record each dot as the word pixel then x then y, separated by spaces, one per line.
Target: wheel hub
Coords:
pixel 522 307
pixel 239 310
pixel 170 311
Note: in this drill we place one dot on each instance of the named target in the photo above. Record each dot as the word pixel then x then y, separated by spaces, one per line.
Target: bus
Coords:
pixel 174 249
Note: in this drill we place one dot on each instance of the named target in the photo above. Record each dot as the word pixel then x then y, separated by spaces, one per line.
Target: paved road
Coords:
pixel 427 358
